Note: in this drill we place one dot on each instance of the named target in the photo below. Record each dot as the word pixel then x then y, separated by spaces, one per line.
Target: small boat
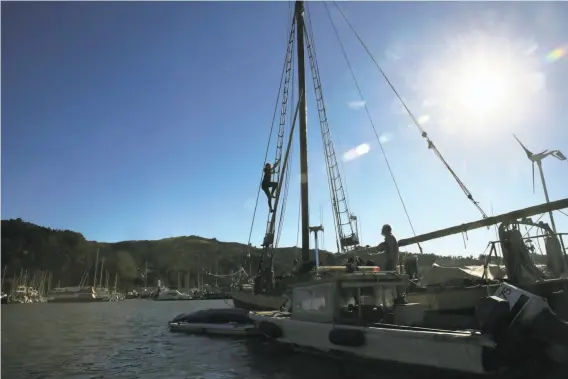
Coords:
pixel 73 295
pixel 171 294
pixel 222 322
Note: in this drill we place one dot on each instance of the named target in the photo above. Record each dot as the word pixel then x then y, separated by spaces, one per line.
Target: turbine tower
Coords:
pixel 537 158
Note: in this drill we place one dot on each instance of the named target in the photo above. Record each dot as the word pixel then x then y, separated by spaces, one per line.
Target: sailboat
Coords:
pixel 267 293
pixel 82 293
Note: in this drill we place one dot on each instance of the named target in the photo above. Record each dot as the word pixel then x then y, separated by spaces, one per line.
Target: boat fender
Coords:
pixel 347 337
pixel 269 329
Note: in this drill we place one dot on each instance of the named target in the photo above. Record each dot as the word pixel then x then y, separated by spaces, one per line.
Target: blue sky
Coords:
pixel 149 120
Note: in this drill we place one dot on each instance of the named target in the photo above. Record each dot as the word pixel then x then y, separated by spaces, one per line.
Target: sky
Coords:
pixel 137 121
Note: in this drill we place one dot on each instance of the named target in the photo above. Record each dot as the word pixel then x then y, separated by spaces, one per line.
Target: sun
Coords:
pixel 481 91
pixel 479 84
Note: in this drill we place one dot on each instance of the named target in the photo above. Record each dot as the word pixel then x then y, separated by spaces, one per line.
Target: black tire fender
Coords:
pixel 347 337
pixel 269 329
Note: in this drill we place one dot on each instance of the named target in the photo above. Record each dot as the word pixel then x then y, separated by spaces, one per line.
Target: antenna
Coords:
pixel 537 158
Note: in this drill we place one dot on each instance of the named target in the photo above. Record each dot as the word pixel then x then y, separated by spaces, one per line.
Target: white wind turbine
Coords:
pixel 537 158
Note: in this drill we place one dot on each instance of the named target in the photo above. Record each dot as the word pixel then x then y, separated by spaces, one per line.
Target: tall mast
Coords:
pixel 96 266
pixel 146 276
pixel 299 14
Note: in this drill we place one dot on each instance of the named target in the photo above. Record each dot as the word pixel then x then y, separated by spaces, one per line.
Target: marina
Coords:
pixel 173 297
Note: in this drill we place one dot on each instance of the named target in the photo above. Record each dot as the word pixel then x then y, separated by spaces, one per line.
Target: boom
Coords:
pixel 506 217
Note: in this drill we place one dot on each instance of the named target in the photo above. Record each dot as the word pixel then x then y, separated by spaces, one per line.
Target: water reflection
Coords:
pixel 130 339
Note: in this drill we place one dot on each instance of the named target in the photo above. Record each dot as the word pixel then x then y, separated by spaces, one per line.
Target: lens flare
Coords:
pixel 356 152
pixel 556 54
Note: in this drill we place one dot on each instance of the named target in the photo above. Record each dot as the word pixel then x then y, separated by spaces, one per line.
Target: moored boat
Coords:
pixel 171 295
pixel 222 322
pixel 74 295
pixel 355 314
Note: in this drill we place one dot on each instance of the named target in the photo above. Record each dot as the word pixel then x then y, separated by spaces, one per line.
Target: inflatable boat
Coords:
pixel 222 322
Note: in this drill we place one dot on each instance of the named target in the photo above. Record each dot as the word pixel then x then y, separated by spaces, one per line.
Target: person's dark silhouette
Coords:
pixel 268 186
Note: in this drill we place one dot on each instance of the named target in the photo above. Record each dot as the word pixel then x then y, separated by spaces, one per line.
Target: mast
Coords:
pixel 305 211
pixel 96 266
pixel 102 271
pixel 146 276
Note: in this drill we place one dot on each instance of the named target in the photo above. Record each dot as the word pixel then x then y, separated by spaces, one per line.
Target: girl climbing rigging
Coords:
pixel 268 186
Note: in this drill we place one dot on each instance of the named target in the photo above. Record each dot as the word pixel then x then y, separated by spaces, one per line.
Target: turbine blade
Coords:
pixel 558 154
pixel 527 151
pixel 533 176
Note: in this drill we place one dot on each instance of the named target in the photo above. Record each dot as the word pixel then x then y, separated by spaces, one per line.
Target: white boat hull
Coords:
pixel 455 351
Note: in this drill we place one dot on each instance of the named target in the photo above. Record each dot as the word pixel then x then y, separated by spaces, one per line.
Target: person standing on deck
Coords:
pixel 390 248
pixel 268 186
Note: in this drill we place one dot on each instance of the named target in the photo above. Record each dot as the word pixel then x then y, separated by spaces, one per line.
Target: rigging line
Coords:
pixel 564 213
pixel 269 138
pixel 344 178
pixel 340 168
pixel 299 221
pixel 336 220
pixel 372 123
pixel 290 12
pixel 285 175
pixel 532 226
pixel 284 201
pixel 288 166
pixel 331 184
pixel 329 153
pixel 413 118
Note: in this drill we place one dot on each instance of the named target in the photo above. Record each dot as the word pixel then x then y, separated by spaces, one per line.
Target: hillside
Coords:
pixel 26 246
pixel 66 254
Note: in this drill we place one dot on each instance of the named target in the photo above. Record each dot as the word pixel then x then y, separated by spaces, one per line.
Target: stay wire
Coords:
pixel 413 118
pixel 329 153
pixel 372 124
pixel 286 174
pixel 270 135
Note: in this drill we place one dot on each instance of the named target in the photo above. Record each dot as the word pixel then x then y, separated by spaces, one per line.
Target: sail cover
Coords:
pixel 441 274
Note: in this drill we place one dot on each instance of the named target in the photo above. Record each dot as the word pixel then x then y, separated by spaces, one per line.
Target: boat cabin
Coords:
pixel 358 298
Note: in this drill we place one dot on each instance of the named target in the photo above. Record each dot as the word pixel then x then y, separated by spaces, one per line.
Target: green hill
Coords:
pixel 66 254
pixel 30 248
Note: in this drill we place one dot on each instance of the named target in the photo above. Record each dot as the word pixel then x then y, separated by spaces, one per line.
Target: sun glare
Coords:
pixel 480 84
pixel 482 90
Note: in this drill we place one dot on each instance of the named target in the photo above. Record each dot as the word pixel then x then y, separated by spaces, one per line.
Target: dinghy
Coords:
pixel 222 322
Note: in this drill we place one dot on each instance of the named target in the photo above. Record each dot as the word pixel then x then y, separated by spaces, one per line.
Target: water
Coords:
pixel 130 339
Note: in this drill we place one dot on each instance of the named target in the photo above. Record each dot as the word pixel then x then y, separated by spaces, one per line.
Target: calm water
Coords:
pixel 130 339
